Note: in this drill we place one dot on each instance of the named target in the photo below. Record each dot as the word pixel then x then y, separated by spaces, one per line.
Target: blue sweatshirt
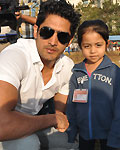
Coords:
pixel 99 118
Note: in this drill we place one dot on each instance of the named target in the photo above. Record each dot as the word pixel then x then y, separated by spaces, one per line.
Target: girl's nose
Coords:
pixel 92 50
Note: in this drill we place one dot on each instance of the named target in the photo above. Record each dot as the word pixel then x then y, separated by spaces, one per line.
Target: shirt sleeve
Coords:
pixel 12 66
pixel 64 89
pixel 65 78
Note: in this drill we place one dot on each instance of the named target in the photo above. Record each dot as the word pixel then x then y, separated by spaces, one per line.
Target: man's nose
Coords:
pixel 53 41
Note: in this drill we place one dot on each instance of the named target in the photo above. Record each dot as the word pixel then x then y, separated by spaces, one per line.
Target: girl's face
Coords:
pixel 93 47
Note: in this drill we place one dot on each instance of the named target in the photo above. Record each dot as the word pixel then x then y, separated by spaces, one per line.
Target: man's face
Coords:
pixel 51 48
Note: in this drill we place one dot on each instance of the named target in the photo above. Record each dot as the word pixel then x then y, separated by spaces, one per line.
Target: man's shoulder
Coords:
pixel 66 64
pixel 22 47
pixel 66 60
pixel 23 41
pixel 25 45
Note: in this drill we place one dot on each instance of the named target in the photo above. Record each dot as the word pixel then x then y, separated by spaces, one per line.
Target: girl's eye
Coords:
pixel 98 45
pixel 86 46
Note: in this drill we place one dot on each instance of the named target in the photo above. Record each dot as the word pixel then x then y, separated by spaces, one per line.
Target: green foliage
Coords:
pixel 109 13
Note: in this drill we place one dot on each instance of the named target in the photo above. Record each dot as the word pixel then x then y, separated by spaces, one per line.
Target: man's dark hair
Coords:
pixel 60 8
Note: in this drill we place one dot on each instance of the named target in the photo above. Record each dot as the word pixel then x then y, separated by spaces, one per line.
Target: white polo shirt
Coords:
pixel 20 65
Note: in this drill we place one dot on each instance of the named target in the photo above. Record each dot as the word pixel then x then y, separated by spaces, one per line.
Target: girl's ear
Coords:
pixel 107 45
pixel 35 31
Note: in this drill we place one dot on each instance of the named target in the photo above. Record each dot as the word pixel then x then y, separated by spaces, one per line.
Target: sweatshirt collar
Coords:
pixel 105 63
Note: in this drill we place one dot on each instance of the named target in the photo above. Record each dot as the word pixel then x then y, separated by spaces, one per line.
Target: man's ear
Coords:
pixel 35 31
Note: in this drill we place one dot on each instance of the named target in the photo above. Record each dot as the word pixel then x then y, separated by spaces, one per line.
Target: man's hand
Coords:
pixel 18 15
pixel 62 122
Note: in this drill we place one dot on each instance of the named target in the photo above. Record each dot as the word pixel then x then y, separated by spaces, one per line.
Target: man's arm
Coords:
pixel 60 102
pixel 29 19
pixel 60 107
pixel 15 124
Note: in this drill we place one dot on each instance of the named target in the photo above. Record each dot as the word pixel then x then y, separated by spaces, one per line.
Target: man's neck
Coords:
pixel 47 72
pixel 48 64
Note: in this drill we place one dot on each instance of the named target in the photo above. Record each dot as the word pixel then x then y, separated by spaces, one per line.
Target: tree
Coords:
pixel 109 14
pixel 89 12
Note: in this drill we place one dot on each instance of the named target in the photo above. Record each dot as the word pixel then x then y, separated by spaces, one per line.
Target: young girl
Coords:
pixel 93 107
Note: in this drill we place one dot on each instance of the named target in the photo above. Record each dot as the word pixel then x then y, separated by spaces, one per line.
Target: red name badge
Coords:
pixel 80 95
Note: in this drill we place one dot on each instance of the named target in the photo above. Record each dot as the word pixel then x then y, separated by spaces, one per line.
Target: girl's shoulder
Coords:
pixel 80 65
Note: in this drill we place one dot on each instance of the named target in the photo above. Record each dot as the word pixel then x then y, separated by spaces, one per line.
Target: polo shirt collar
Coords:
pixel 34 53
pixel 59 64
pixel 57 69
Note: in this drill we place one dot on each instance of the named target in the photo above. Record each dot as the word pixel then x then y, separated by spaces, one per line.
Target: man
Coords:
pixel 33 71
pixel 27 18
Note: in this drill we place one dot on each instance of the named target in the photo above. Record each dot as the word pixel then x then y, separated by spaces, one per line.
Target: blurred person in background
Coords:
pixel 27 18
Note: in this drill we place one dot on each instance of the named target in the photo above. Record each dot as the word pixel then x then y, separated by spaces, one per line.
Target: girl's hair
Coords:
pixel 60 8
pixel 93 25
